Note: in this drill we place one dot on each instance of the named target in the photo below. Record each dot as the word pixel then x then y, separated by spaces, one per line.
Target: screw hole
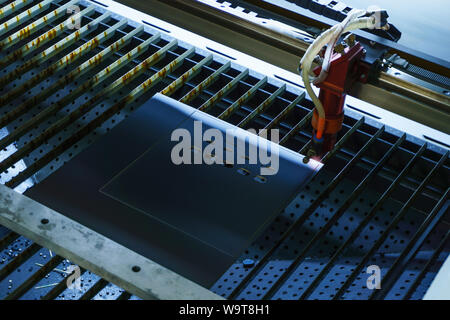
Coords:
pixel 45 221
pixel 136 268
pixel 260 179
pixel 244 172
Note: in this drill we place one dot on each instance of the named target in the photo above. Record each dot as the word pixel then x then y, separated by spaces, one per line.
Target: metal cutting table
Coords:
pixel 381 197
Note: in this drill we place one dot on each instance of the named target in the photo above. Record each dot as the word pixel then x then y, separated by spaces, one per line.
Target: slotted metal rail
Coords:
pixel 381 198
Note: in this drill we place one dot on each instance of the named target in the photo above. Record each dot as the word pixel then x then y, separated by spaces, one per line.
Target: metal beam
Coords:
pixel 285 52
pixel 108 259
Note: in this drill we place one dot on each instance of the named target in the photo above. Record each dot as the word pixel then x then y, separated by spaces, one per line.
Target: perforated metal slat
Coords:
pixel 112 73
pixel 111 292
pixel 262 107
pixel 57 289
pixel 18 259
pixel 116 85
pixel 205 84
pixel 12 7
pixel 32 272
pixel 53 50
pixel 394 222
pixel 285 234
pixel 24 16
pixel 301 124
pixel 94 289
pixel 412 289
pixel 35 26
pixel 24 277
pixel 72 76
pixel 362 225
pixel 31 46
pixel 90 286
pixel 285 112
pixel 6 238
pixel 413 246
pixel 223 92
pixel 331 186
pixel 338 214
pixel 186 76
pixel 57 66
pixel 245 97
pixel 343 140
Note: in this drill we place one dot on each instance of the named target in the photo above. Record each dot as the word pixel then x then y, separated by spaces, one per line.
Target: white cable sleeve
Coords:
pixel 318 44
pixel 330 46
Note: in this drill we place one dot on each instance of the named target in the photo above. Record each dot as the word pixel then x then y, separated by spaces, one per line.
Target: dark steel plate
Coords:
pixel 194 219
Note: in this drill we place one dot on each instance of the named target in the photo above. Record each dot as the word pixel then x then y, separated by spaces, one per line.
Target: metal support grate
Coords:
pixel 381 198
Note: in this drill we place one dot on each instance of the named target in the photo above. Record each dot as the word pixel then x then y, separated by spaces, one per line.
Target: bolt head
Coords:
pixel 248 263
pixel 339 48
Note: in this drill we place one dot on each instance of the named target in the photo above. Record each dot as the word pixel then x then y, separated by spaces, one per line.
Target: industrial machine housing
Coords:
pixel 381 197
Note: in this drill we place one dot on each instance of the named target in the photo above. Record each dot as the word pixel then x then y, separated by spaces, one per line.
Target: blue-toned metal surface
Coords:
pixel 311 248
pixel 423 25
pixel 142 183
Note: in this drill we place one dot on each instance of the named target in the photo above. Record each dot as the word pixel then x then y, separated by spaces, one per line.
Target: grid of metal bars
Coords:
pixel 64 87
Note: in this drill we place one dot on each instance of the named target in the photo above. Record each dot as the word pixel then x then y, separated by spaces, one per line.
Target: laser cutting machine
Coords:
pixel 96 95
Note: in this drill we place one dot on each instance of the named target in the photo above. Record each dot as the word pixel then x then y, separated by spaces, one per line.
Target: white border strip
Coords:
pixel 440 288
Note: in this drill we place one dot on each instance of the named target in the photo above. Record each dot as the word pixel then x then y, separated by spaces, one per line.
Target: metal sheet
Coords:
pixel 89 249
pixel 193 219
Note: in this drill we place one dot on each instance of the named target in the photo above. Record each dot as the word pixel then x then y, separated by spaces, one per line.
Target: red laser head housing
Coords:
pixel 345 69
